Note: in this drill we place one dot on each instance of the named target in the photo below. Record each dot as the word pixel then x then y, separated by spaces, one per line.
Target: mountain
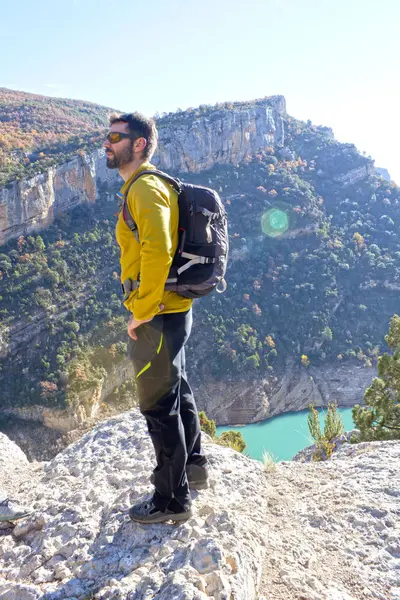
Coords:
pixel 313 276
pixel 37 132
pixel 189 141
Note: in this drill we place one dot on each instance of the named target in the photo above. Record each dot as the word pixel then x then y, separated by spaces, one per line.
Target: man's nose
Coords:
pixel 106 144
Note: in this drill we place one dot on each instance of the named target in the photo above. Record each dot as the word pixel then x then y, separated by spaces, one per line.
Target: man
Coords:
pixel 160 323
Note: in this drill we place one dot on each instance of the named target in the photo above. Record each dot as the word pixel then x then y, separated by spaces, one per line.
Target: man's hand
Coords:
pixel 134 324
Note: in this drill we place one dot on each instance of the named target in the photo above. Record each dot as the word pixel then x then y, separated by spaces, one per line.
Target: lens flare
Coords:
pixel 275 222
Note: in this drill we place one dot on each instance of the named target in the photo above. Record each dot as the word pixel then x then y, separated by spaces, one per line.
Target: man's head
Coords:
pixel 136 142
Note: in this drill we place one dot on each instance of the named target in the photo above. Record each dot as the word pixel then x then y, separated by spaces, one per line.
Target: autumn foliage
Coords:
pixel 37 132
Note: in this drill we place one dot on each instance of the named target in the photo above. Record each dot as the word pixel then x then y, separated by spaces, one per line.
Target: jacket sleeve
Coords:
pixel 150 206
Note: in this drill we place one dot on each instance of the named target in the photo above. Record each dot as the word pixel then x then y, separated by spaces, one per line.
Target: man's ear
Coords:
pixel 139 145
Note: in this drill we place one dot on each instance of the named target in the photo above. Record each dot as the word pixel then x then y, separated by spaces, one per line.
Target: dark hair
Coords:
pixel 139 126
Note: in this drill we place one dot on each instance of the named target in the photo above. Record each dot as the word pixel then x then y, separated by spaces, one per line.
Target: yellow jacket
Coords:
pixel 153 205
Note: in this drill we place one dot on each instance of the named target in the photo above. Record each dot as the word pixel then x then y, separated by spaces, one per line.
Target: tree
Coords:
pixel 253 361
pixel 48 389
pixel 333 423
pixel 333 427
pixel 51 277
pixel 379 419
pixel 39 243
pixel 20 243
pixel 305 361
pixel 43 297
pixel 359 241
pixel 5 263
pixel 327 334
pixel 207 425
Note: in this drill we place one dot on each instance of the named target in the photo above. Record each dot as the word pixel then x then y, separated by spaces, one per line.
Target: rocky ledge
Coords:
pixel 326 531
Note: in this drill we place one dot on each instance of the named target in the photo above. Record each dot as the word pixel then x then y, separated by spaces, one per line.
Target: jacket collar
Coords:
pixel 146 166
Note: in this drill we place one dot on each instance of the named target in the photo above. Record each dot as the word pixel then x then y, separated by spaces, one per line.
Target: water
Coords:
pixel 282 436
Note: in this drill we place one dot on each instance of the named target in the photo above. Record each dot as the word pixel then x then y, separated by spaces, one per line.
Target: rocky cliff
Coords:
pixel 250 398
pixel 221 136
pixel 326 531
pixel 32 204
pixel 217 137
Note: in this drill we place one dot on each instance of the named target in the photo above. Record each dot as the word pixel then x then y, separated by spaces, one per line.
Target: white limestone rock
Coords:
pixel 320 531
pixel 11 456
pixel 88 544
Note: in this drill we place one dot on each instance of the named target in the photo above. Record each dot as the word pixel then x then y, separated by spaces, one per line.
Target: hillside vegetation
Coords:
pixel 322 290
pixel 37 132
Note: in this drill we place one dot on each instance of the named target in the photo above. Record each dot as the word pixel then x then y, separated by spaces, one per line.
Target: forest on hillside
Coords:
pixel 324 290
pixel 37 132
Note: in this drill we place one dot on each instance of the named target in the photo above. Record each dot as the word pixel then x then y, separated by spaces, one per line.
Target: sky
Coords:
pixel 335 61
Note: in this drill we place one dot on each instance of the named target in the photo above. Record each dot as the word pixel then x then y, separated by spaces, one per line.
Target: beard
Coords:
pixel 116 161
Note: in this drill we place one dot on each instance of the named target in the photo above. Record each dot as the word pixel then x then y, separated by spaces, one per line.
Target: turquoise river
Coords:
pixel 282 436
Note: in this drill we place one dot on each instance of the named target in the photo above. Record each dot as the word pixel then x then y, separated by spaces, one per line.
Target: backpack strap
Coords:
pixel 171 180
pixel 126 214
pixel 129 285
pixel 194 259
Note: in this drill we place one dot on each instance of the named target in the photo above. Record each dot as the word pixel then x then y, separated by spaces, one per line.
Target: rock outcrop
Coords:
pixel 222 137
pixel 12 460
pixel 334 526
pixel 326 531
pixel 32 204
pixel 249 399
pixel 81 542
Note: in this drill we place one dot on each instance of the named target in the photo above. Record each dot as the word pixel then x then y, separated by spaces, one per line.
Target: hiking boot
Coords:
pixel 11 511
pixel 197 476
pixel 147 513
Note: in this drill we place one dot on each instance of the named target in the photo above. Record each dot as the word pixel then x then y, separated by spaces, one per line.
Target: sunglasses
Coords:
pixel 114 137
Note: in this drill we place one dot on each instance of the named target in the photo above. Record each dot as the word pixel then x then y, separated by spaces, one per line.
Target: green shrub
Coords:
pixel 232 439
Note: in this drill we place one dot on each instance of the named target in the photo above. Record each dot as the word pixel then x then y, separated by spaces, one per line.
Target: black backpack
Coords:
pixel 200 261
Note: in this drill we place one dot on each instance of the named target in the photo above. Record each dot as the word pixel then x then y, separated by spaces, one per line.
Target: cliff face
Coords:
pixel 85 413
pixel 229 401
pixel 251 398
pixel 32 204
pixel 223 136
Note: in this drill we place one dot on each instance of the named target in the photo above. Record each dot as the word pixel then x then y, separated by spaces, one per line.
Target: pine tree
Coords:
pixel 314 425
pixel 207 425
pixel 333 427
pixel 379 419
